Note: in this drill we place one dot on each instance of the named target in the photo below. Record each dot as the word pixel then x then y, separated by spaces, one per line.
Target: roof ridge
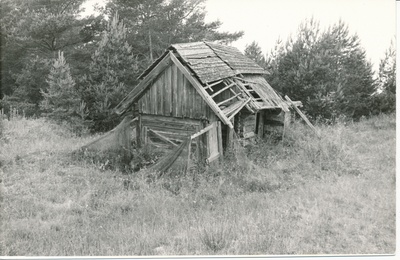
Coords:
pixel 216 54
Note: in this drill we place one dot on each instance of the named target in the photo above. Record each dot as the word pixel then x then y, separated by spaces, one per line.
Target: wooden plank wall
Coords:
pixel 175 128
pixel 173 95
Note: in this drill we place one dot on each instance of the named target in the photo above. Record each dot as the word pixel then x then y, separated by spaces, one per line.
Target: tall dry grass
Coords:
pixel 300 196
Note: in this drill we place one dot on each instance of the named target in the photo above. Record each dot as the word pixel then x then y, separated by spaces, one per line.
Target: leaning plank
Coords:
pixel 303 116
pixel 227 100
pixel 162 137
pixel 166 162
pixel 239 108
pixel 199 88
pixel 228 110
pixel 202 131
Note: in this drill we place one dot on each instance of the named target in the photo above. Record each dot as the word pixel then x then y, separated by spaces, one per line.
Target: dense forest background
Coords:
pixel 74 69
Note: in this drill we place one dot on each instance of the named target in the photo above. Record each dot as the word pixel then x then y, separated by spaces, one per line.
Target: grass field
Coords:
pixel 300 196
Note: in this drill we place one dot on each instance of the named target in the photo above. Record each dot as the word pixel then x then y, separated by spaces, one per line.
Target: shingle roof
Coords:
pixel 236 60
pixel 211 62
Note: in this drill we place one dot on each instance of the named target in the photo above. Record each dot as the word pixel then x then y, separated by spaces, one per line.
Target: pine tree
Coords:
pixel 327 71
pixel 254 52
pixel 61 101
pixel 156 24
pixel 385 96
pixel 110 75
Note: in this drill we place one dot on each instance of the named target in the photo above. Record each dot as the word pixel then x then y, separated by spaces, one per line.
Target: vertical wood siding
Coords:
pixel 171 94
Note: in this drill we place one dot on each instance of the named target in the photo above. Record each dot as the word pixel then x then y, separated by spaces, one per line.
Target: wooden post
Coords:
pixel 219 134
pixel 144 135
pixel 188 157
pixel 261 124
pixel 139 131
pixel 230 143
pixel 286 123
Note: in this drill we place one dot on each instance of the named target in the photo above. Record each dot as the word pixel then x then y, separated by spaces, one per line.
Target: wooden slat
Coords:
pixel 202 131
pixel 212 141
pixel 227 100
pixel 238 109
pixel 174 94
pixel 144 135
pixel 171 134
pixel 223 89
pixel 296 103
pixel 242 87
pixel 228 110
pixel 138 131
pixel 167 94
pixel 209 86
pixel 304 117
pixel 161 137
pixel 219 134
pixel 199 88
pixel 188 155
pixel 160 93
pixel 165 119
pixel 262 107
pixel 233 92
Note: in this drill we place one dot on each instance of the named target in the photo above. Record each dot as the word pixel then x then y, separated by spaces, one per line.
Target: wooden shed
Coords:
pixel 204 90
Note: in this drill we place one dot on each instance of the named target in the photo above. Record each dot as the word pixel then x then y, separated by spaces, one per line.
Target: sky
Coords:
pixel 266 21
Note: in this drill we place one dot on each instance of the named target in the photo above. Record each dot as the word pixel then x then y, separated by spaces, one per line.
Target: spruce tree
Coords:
pixel 110 75
pixel 61 101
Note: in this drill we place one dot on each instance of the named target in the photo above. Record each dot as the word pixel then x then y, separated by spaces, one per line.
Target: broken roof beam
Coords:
pixel 209 86
pixel 222 90
pixel 239 108
pixel 227 100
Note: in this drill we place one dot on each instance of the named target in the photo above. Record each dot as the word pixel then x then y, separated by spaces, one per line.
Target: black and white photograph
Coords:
pixel 198 128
